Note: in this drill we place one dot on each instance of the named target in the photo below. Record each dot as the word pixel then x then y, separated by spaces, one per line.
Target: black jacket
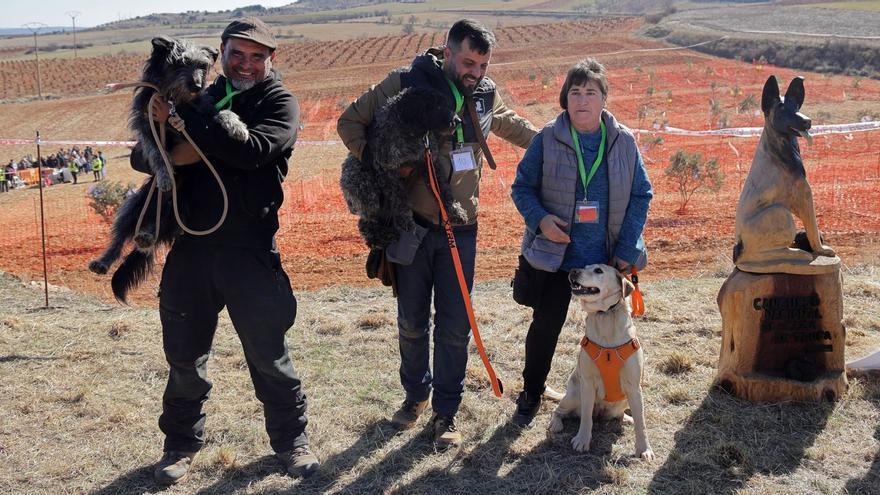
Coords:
pixel 252 172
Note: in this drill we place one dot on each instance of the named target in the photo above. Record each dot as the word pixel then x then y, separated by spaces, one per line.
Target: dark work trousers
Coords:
pixel 547 321
pixel 197 281
pixel 433 270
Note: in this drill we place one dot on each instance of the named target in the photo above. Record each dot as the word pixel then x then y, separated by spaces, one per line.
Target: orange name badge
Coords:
pixel 587 212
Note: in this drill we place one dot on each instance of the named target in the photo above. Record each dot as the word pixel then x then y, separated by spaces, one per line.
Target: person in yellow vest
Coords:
pixel 4 187
pixel 96 167
pixel 72 167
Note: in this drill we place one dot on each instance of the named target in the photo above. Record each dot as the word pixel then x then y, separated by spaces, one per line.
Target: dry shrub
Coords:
pixel 225 457
pixel 334 327
pixel 732 455
pixel 616 475
pixel 677 363
pixel 374 321
pixel 118 330
pixel 677 396
pixel 11 322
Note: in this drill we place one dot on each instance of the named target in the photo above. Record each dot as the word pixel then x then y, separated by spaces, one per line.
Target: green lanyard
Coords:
pixel 227 100
pixel 577 149
pixel 459 102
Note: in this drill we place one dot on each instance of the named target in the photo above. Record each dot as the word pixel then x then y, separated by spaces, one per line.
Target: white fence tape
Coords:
pixel 818 130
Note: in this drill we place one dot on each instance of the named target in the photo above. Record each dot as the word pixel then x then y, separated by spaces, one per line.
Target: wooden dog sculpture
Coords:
pixel 776 188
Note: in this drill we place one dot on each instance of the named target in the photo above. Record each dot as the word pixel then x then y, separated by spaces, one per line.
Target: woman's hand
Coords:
pixel 621 265
pixel 550 227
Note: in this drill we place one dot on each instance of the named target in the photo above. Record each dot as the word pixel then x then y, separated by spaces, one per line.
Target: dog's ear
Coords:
pixel 162 43
pixel 770 96
pixel 213 52
pixel 626 287
pixel 795 92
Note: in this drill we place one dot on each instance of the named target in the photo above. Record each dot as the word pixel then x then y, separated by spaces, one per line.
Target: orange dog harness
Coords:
pixel 610 361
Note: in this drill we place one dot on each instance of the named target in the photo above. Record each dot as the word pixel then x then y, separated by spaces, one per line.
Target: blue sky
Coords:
pixel 94 12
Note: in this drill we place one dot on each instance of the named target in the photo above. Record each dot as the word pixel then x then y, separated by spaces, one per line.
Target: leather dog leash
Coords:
pixel 472 110
pixel 497 386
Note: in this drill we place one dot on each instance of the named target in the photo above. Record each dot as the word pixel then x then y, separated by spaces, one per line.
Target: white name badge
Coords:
pixel 463 159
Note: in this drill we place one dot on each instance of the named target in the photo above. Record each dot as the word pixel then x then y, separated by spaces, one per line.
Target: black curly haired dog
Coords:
pixel 374 188
pixel 180 70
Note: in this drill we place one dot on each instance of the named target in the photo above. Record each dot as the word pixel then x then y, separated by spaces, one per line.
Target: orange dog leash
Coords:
pixel 497 386
pixel 638 303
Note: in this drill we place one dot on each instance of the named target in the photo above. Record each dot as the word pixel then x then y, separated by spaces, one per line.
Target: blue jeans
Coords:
pixel 433 270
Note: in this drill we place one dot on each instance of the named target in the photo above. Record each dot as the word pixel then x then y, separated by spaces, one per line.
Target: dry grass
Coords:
pixel 82 385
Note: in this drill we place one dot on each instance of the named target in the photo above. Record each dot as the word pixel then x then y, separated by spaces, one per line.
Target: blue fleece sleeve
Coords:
pixel 526 186
pixel 636 214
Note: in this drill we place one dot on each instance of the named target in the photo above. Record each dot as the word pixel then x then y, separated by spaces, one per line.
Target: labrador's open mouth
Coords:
pixel 580 290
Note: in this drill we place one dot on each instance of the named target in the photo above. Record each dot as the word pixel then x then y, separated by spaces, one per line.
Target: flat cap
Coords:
pixel 252 29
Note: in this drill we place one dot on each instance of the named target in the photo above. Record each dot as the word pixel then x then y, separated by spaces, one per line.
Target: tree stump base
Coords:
pixel 782 337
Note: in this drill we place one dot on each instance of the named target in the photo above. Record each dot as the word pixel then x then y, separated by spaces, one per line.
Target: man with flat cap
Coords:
pixel 238 265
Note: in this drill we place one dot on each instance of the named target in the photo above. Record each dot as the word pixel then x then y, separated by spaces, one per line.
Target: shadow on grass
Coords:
pixel 726 441
pixel 550 467
pixel 138 480
pixel 17 357
pixel 374 437
pixel 870 483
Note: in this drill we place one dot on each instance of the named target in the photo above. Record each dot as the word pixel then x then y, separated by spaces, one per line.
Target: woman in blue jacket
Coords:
pixel 583 192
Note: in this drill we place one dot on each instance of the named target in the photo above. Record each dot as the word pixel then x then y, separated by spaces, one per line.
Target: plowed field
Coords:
pixel 650 86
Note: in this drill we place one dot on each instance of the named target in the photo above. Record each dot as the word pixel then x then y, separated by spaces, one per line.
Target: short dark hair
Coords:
pixel 581 73
pixel 481 38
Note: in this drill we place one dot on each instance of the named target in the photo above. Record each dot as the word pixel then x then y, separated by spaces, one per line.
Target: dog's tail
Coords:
pixel 133 270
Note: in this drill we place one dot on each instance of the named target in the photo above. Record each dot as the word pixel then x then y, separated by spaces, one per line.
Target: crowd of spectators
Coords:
pixel 64 166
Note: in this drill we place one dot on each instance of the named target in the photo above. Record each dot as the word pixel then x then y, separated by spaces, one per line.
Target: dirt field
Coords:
pixel 318 237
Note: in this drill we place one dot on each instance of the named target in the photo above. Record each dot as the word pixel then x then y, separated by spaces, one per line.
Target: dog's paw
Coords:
pixel 645 454
pixel 163 181
pixel 826 251
pixel 555 425
pixel 581 442
pixel 232 124
pixel 144 240
pixel 551 394
pixel 98 267
pixel 457 214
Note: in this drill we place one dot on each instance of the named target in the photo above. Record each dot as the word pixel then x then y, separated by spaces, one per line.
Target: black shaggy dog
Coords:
pixel 180 70
pixel 374 188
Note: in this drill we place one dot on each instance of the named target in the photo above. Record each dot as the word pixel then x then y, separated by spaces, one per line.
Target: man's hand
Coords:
pixel 621 265
pixel 550 227
pixel 161 109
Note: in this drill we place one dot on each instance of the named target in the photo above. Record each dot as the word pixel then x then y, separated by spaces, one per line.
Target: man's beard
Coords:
pixel 246 84
pixel 449 71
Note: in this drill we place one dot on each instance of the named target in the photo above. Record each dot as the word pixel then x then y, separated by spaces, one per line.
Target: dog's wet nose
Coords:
pixel 807 121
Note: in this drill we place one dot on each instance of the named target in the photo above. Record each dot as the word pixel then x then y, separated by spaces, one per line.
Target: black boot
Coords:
pixel 527 406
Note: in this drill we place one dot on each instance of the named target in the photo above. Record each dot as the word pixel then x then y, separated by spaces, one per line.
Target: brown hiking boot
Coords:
pixel 409 412
pixel 173 467
pixel 445 433
pixel 299 462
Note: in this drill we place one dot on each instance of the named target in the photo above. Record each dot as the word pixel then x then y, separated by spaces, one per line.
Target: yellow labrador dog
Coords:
pixel 608 374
